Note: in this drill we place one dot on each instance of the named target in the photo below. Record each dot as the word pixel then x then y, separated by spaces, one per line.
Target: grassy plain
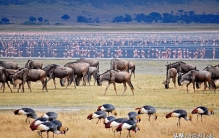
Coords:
pixel 74 105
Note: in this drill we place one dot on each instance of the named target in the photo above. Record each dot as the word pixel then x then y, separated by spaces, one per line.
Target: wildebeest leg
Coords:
pixel 3 85
pixel 174 81
pixel 187 87
pixel 19 87
pixel 205 86
pixel 131 86
pixel 43 84
pixel 193 86
pixel 87 79
pixel 54 81
pixel 9 86
pixel 107 88
pixel 23 85
pixel 114 84
pixel 28 84
pixel 84 79
pixel 124 84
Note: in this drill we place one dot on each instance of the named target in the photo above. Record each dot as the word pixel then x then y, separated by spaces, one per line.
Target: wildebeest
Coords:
pixel 79 69
pixel 181 67
pixel 33 65
pixel 119 64
pixel 214 71
pixel 55 71
pixel 92 62
pixel 115 76
pixel 9 65
pixel 195 76
pixel 92 72
pixel 3 78
pixel 27 75
pixel 132 68
pixel 172 73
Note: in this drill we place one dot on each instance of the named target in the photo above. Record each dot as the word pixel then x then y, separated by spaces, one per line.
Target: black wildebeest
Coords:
pixel 172 73
pixel 33 65
pixel 115 76
pixel 55 71
pixel 92 62
pixel 79 69
pixel 9 65
pixel 195 76
pixel 27 75
pixel 119 64
pixel 132 68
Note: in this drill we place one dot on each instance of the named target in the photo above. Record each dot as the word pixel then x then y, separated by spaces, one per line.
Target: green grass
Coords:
pixel 148 90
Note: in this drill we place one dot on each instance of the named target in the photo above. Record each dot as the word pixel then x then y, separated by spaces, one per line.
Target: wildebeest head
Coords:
pixel 103 77
pixel 98 80
pixel 21 74
pixel 166 84
pixel 186 78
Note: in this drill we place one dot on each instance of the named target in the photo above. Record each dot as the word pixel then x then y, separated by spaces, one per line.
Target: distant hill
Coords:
pixel 19 11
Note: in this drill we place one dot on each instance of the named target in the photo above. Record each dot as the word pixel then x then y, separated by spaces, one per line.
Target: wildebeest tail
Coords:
pixel 133 71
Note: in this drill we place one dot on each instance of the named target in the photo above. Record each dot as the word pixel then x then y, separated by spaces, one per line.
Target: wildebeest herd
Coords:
pixel 72 72
pixel 188 73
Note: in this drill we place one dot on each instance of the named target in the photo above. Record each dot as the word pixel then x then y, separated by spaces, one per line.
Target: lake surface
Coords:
pixel 161 45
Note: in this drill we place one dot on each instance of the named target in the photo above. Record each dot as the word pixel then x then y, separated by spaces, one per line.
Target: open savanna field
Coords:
pixel 74 105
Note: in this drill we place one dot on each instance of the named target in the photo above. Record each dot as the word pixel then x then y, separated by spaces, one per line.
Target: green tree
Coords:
pixel 65 17
pixel 82 19
pixel 5 20
pixel 40 19
pixel 32 18
pixel 127 18
pixel 118 19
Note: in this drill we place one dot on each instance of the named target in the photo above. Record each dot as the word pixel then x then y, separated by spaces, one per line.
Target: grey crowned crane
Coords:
pixel 129 125
pixel 179 114
pixel 115 123
pixel 50 115
pixel 47 127
pixel 99 114
pixel 108 119
pixel 134 116
pixel 109 108
pixel 201 110
pixel 29 112
pixel 150 110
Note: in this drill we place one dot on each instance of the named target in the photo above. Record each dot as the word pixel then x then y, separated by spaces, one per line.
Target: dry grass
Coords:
pixel 82 128
pixel 148 91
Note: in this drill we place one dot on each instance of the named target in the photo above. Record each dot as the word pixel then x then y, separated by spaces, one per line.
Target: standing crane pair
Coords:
pixel 200 110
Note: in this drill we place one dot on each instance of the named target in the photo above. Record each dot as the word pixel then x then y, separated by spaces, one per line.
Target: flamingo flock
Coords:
pixel 110 45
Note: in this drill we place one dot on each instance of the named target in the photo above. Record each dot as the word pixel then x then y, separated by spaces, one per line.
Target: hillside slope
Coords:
pixel 105 10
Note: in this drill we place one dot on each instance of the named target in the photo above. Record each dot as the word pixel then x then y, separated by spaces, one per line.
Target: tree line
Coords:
pixel 154 17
